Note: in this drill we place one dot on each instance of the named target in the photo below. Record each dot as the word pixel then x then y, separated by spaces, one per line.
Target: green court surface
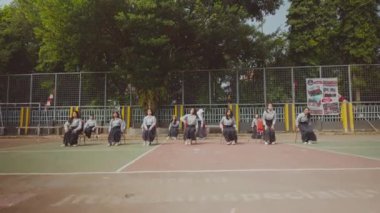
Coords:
pixel 369 149
pixel 50 157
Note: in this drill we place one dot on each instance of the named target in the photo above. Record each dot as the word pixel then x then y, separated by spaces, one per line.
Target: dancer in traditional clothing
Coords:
pixel 115 129
pixel 228 127
pixel 269 118
pixel 257 127
pixel 73 127
pixel 173 128
pixel 191 126
pixel 303 124
pixel 149 128
pixel 201 133
pixel 89 126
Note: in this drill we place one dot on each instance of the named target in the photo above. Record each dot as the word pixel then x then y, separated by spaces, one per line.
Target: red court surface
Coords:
pixel 213 156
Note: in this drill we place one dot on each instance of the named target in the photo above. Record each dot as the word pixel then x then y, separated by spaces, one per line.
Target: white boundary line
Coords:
pixel 307 146
pixel 68 150
pixel 136 159
pixel 199 171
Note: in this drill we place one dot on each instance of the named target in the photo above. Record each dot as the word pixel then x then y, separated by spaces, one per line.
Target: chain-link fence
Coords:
pixel 357 83
pixel 98 93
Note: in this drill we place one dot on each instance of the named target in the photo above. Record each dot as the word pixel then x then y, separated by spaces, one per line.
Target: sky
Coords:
pixel 272 22
pixel 2 2
pixel 278 20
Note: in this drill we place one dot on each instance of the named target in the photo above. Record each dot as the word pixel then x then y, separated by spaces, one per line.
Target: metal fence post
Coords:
pixel 80 89
pixel 105 99
pixel 349 83
pixel 105 89
pixel 293 86
pixel 130 94
pixel 265 86
pixel 31 90
pixel 237 87
pixel 8 88
pixel 183 88
pixel 6 108
pixel 209 87
pixel 56 96
pixel 320 71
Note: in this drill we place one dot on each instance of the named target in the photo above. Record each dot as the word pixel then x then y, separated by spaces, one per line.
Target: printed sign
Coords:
pixel 322 96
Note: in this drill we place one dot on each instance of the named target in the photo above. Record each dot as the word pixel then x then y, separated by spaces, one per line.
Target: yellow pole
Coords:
pixel 71 111
pixel 129 117
pixel 237 116
pixel 122 112
pixel 294 117
pixel 77 108
pixel 351 116
pixel 181 114
pixel 175 110
pixel 286 110
pixel 344 116
pixel 27 119
pixel 21 118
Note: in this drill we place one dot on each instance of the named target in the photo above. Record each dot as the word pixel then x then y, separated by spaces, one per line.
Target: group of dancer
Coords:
pixel 74 126
pixel 194 127
pixel 263 127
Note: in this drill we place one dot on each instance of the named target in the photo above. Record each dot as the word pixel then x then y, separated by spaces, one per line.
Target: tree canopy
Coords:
pixel 334 32
pixel 141 40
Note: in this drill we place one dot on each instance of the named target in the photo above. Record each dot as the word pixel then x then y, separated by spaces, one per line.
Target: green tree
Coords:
pixel 142 42
pixel 313 26
pixel 17 41
pixel 333 32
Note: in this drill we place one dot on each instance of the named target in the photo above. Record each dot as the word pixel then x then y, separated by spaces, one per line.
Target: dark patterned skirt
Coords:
pixel 115 135
pixel 88 131
pixel 229 133
pixel 190 133
pixel 269 133
pixel 71 137
pixel 173 132
pixel 202 132
pixel 149 135
pixel 254 132
pixel 307 132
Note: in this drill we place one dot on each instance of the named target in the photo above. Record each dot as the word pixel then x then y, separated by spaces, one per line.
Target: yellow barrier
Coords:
pixel 286 109
pixel 122 112
pixel 27 119
pixel 344 116
pixel 351 116
pixel 129 117
pixel 181 114
pixel 237 115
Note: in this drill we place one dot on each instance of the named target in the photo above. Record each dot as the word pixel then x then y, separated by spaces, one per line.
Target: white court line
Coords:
pixel 307 146
pixel 136 159
pixel 66 150
pixel 199 171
